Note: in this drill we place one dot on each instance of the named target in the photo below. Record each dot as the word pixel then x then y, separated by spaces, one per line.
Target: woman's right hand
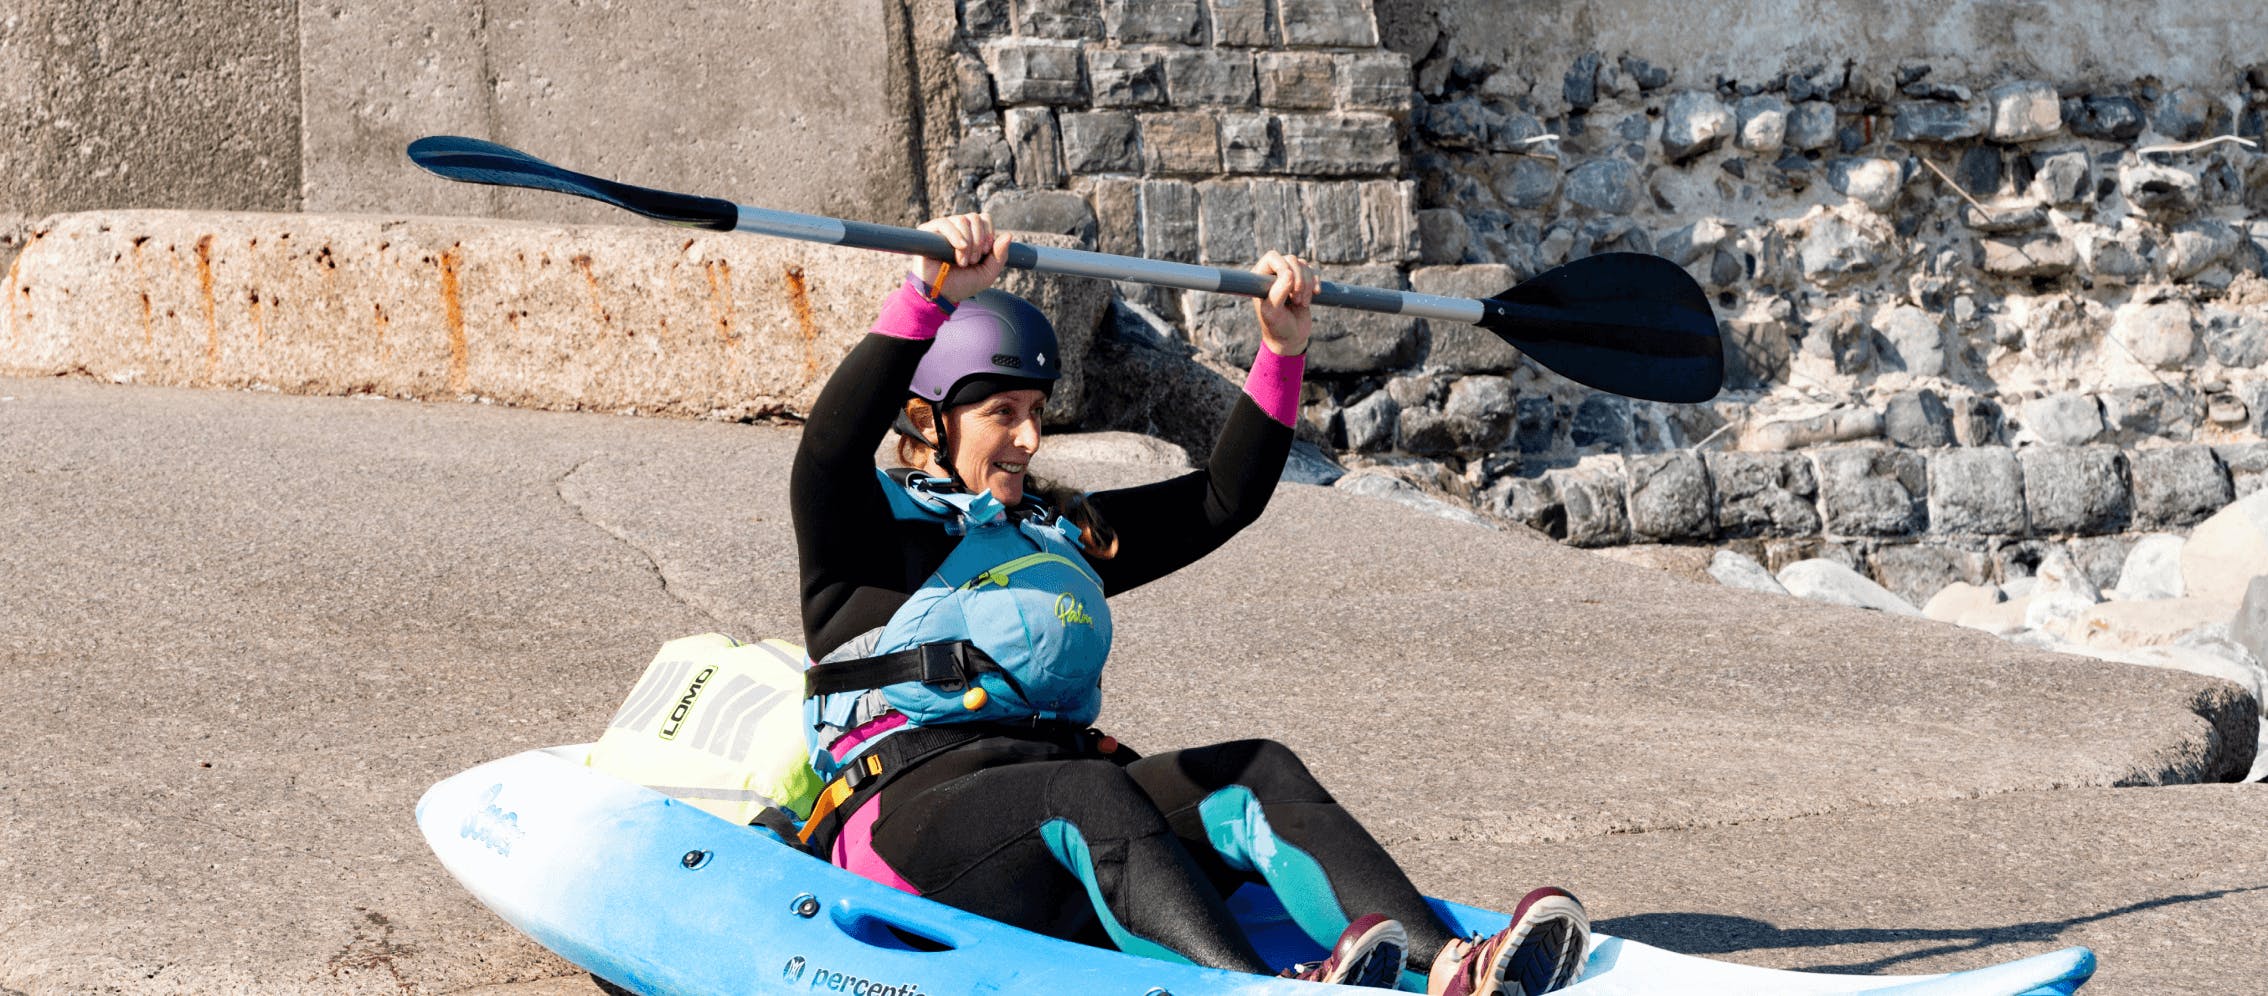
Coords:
pixel 978 256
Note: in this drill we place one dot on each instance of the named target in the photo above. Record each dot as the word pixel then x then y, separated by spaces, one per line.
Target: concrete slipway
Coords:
pixel 241 632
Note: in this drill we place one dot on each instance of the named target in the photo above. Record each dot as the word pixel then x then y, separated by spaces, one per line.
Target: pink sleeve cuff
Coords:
pixel 909 313
pixel 1274 384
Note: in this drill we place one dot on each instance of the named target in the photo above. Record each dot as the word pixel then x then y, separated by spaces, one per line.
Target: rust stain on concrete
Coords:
pixel 142 286
pixel 719 273
pixel 212 310
pixel 799 300
pixel 18 295
pixel 582 262
pixel 453 314
pixel 378 314
pixel 259 321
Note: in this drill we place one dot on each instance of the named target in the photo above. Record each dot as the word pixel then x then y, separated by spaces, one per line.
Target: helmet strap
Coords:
pixel 944 447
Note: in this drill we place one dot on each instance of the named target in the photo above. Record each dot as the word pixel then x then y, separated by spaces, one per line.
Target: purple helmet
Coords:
pixel 994 342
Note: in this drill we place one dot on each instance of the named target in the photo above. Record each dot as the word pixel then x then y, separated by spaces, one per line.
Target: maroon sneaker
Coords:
pixel 1542 951
pixel 1369 953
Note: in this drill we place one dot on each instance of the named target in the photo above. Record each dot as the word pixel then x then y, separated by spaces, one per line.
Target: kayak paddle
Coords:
pixel 1629 323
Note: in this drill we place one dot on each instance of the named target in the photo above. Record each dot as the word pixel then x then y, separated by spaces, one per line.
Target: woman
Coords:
pixel 960 626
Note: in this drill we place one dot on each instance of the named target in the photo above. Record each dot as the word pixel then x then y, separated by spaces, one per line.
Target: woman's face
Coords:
pixel 994 440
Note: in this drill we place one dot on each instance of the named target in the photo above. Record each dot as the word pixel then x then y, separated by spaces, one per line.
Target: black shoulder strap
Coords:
pixel 949 666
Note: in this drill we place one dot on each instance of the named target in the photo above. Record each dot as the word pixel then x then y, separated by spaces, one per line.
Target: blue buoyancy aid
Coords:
pixel 1018 589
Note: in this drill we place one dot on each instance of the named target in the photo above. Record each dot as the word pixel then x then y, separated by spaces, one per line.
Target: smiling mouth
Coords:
pixel 1013 468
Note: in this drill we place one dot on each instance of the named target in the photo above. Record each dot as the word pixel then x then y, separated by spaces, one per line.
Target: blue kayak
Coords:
pixel 658 897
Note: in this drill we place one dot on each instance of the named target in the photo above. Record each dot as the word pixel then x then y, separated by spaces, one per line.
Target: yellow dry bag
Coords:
pixel 718 724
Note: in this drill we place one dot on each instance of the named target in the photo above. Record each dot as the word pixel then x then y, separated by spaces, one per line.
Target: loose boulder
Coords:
pixel 2227 551
pixel 1736 570
pixel 2152 569
pixel 1833 583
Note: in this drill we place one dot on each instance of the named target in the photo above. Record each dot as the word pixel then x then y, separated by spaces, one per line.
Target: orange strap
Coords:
pixel 834 794
pixel 937 290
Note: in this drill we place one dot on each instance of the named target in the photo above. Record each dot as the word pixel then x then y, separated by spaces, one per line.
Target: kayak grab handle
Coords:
pixel 888 932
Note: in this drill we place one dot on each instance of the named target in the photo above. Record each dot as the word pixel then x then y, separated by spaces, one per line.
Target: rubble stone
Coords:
pixel 1670 497
pixel 2178 486
pixel 1977 492
pixel 2076 490
pixel 2025 111
pixel 1873 491
pixel 1693 123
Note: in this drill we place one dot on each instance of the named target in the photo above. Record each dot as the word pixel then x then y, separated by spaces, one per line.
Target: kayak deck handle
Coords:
pixel 889 933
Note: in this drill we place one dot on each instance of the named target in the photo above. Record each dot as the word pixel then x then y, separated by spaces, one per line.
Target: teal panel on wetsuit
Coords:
pixel 1070 849
pixel 1240 834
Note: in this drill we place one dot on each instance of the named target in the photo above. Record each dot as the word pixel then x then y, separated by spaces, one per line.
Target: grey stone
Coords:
pixel 2150 410
pixel 2064 419
pixel 1758 348
pixel 1937 121
pixel 2159 190
pixel 1532 502
pixel 2024 111
pixel 1032 138
pixel 1224 229
pixel 1373 81
pixel 1592 498
pixel 2178 486
pixel 1694 241
pixel 1694 122
pixel 2076 490
pixel 2063 592
pixel 1126 77
pixel 1736 570
pixel 1309 464
pixel 985 149
pixel 1118 213
pixel 1298 80
pixel 1036 71
pixel 1341 144
pixel 1980 171
pixel 1060 18
pixel 1512 132
pixel 1209 78
pixel 1915 340
pixel 1279 217
pixel 1580 86
pixel 2250 630
pixel 2236 339
pixel 1457 346
pixel 1337 23
pixel 1173 22
pixel 2063 178
pixel 1242 22
pixel 1443 237
pixel 1180 142
pixel 1764 494
pixel 1873 491
pixel 2114 257
pixel 1916 571
pixel 1389 221
pixel 2184 115
pixel 1918 420
pixel 1251 143
pixel 1836 584
pixel 1527 184
pixel 1761 123
pixel 1977 491
pixel 1334 221
pixel 1976 420
pixel 1058 211
pixel 1836 250
pixel 1606 186
pixel 1812 126
pixel 1601 420
pixel 1462 123
pixel 1099 142
pixel 1670 498
pixel 2152 569
pixel 2198 244
pixel 1361 342
pixel 1377 483
pixel 972 85
pixel 1537 425
pixel 1169 220
pixel 2046 255
pixel 1873 182
pixel 2161 335
pixel 1647 75
pixel 1371 423
pixel 2115 119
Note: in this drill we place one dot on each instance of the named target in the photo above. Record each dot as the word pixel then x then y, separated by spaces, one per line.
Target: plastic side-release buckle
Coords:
pixel 862 771
pixel 945 665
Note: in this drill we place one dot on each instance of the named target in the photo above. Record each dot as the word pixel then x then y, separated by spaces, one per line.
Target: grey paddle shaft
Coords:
pixel 1080 263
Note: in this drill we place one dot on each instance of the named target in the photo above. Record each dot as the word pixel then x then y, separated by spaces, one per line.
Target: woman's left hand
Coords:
pixel 1284 320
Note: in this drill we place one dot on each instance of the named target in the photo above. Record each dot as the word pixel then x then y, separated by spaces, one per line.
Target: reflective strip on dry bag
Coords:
pixel 718 724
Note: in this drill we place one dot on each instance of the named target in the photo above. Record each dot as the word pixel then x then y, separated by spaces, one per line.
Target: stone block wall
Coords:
pixel 1199 131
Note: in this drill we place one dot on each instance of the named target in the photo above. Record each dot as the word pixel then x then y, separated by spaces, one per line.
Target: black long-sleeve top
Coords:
pixel 860 563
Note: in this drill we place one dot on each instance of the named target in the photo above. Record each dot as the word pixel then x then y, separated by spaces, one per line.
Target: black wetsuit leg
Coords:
pixel 1363 877
pixel 979 842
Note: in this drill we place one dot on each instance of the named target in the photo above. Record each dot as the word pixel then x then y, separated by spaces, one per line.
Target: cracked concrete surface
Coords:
pixel 244 632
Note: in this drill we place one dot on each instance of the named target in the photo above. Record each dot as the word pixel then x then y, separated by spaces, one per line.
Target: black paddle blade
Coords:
pixel 474 161
pixel 1626 322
